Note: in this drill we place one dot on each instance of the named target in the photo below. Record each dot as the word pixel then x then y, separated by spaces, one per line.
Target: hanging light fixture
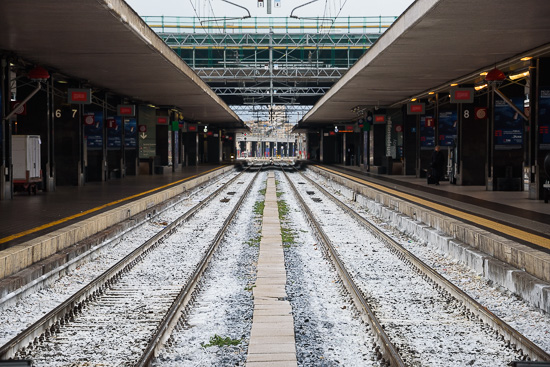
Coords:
pixel 39 74
pixel 495 76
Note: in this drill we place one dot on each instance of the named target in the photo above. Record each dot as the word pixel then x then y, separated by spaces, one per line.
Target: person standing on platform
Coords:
pixel 438 163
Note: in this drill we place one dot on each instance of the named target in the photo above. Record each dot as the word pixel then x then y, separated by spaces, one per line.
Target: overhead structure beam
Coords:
pixel 270 60
pixel 270 91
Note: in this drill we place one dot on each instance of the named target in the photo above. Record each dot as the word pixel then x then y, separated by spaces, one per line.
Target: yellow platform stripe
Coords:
pixel 499 227
pixel 63 220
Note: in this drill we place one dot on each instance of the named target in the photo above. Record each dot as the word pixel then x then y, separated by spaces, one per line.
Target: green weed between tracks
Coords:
pixel 288 235
pixel 218 341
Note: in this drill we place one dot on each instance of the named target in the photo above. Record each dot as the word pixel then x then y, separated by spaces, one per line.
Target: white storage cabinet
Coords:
pixel 27 171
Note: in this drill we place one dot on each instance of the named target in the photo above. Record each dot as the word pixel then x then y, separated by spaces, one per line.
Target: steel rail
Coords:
pixel 385 350
pixel 473 308
pixel 174 313
pixel 63 313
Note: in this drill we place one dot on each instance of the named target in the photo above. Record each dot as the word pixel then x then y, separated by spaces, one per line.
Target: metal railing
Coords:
pixel 352 25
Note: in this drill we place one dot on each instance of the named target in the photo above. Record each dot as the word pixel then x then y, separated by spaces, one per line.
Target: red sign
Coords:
pixel 142 128
pixel 89 119
pixel 379 119
pixel 20 109
pixel 332 133
pixel 80 96
pixel 416 108
pixel 462 95
pixel 210 133
pixel 192 128
pixel 480 113
pixel 498 132
pixel 111 124
pixel 349 127
pixel 162 120
pixel 398 128
pixel 126 110
pixel 430 122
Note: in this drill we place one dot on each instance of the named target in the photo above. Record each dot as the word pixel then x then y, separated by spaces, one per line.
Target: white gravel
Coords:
pixel 329 331
pixel 223 304
pixel 528 320
pixel 29 309
pixel 130 310
pixel 424 326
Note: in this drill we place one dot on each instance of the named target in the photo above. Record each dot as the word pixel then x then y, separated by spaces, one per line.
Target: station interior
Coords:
pixel 104 112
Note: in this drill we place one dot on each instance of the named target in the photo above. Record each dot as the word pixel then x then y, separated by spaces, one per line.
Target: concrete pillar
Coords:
pixel 321 145
pixel 344 149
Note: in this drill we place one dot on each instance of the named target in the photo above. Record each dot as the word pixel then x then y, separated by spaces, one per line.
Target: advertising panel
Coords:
pixel 508 125
pixel 447 128
pixel 114 132
pixel 544 119
pixel 130 133
pixel 427 133
pixel 93 130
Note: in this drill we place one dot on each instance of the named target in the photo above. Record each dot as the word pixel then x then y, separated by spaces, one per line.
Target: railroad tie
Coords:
pixel 272 341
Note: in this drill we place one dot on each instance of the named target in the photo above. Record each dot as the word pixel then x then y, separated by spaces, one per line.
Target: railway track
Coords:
pixel 124 315
pixel 417 315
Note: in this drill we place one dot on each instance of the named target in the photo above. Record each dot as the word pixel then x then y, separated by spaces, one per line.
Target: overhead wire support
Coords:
pixel 234 18
pixel 312 18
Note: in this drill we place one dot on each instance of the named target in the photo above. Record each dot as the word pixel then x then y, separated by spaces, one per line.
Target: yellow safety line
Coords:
pixel 48 225
pixel 499 227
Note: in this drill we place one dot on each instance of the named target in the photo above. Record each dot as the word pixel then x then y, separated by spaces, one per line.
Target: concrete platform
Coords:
pixel 272 341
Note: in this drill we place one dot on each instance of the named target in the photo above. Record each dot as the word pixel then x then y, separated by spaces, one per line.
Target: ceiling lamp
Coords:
pixel 495 76
pixel 39 73
pixel 519 76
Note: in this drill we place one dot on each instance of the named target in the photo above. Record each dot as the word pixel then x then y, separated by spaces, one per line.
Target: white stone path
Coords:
pixel 272 340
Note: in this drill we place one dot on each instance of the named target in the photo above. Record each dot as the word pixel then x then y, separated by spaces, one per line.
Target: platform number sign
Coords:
pixel 467 112
pixel 260 3
pixel 66 112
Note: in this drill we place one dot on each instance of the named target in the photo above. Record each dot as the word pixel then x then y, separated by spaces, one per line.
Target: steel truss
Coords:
pixel 289 72
pixel 270 61
pixel 281 41
pixel 266 91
